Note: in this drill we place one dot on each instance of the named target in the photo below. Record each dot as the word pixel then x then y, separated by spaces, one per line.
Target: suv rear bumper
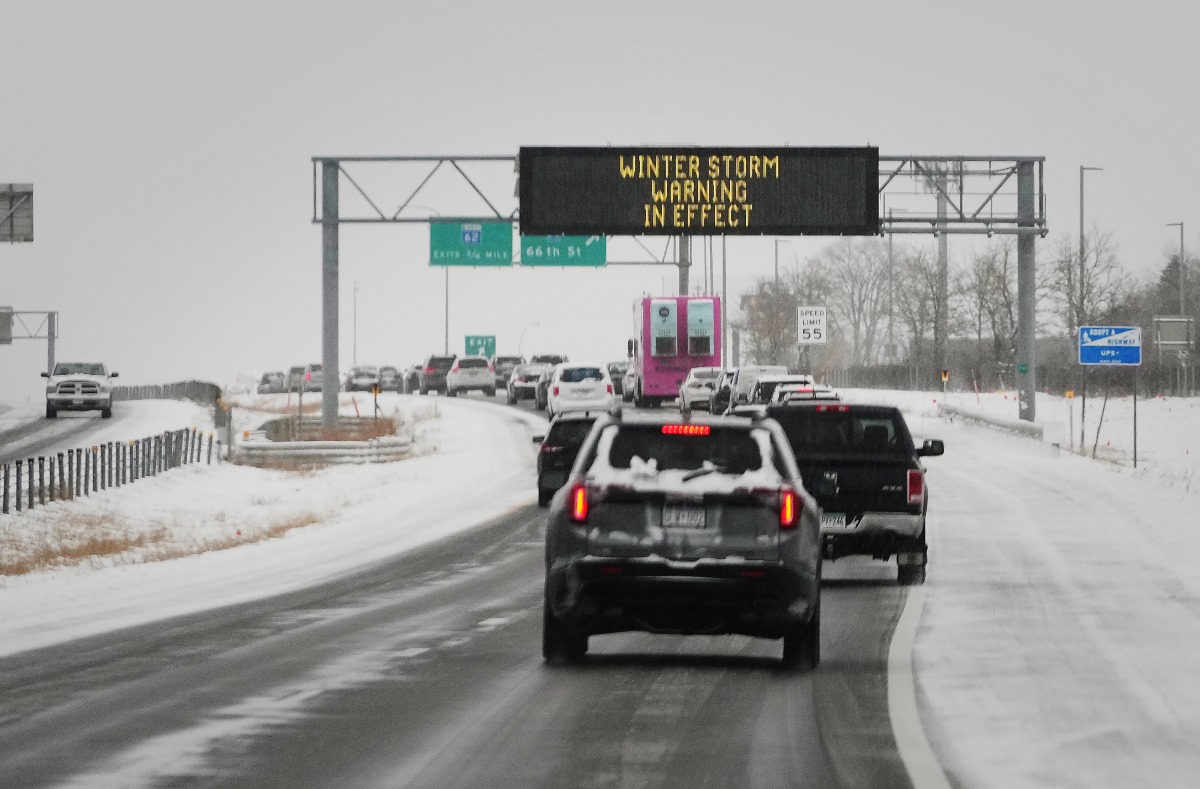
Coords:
pixel 602 595
pixel 877 534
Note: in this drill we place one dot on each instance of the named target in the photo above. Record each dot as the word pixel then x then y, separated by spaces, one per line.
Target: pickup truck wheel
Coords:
pixel 106 413
pixel 559 644
pixel 802 647
pixel 51 412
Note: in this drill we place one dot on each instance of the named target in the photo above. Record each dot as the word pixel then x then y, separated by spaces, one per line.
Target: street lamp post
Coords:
pixel 521 340
pixel 778 241
pixel 1182 300
pixel 891 340
pixel 354 358
pixel 1082 292
pixel 1080 311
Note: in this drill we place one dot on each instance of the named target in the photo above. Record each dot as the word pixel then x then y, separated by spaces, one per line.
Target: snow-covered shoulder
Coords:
pixel 477 462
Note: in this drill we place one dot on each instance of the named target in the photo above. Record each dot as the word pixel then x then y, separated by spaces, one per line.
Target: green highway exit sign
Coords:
pixel 456 243
pixel 564 250
pixel 481 345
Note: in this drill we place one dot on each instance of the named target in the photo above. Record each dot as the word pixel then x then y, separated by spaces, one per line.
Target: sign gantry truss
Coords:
pixel 980 195
pixel 938 195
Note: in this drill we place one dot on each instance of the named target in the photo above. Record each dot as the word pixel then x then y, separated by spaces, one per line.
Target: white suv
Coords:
pixel 697 388
pixel 79 386
pixel 577 386
pixel 471 372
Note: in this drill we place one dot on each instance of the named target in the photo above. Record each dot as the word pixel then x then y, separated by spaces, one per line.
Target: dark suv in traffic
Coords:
pixel 559 448
pixel 866 474
pixel 698 526
pixel 431 373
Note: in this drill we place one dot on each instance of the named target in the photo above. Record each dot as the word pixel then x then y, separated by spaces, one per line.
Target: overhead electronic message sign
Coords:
pixel 699 191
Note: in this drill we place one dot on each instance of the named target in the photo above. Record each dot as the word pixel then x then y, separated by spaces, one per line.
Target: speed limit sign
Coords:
pixel 811 326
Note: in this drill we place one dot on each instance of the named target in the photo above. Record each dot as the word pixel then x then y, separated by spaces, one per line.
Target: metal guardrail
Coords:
pixel 198 391
pixel 82 472
pixel 1030 429
pixel 376 450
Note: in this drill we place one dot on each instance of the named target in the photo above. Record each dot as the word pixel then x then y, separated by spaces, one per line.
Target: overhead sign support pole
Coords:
pixel 329 293
pixel 1026 296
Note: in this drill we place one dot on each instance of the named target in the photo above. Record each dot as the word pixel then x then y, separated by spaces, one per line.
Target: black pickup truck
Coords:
pixel 860 463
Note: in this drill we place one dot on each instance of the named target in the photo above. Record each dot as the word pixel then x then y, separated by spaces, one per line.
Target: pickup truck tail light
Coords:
pixel 916 486
pixel 577 504
pixel 790 507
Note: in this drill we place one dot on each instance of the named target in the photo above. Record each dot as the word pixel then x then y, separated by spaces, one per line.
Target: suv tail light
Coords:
pixel 556 391
pixel 550 449
pixel 916 486
pixel 430 371
pixel 610 391
pixel 790 507
pixel 577 504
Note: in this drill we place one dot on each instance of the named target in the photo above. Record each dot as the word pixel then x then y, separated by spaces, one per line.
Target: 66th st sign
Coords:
pixel 811 326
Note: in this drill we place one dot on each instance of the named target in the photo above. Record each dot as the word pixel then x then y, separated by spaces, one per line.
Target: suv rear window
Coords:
pixel 835 431
pixel 471 364
pixel 732 451
pixel 574 375
pixel 569 432
pixel 440 363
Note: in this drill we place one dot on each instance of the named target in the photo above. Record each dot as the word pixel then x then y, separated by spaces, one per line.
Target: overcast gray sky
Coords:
pixel 169 145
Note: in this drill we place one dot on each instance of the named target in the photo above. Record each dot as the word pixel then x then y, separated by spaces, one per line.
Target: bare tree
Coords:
pixel 853 274
pixel 1083 293
pixel 769 314
pixel 917 300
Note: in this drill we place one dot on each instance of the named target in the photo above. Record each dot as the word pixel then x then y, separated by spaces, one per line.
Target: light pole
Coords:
pixel 1080 311
pixel 1182 300
pixel 521 340
pixel 778 241
pixel 891 340
pixel 354 358
pixel 1082 292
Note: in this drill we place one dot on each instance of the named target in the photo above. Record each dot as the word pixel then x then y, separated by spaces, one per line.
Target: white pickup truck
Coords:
pixel 79 386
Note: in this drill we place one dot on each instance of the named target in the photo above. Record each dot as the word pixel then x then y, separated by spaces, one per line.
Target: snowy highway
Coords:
pixel 1050 649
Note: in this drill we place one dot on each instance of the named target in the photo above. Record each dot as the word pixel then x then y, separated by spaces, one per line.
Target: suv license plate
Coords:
pixel 833 520
pixel 676 516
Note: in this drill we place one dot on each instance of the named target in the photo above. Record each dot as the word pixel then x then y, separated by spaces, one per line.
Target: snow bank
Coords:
pixel 477 463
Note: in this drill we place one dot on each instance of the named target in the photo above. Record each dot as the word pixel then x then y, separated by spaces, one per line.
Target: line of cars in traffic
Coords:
pixel 447 374
pixel 720 523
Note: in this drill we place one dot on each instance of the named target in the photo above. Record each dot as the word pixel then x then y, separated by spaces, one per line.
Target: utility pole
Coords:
pixel 1182 268
pixel 685 263
pixel 1080 315
pixel 943 278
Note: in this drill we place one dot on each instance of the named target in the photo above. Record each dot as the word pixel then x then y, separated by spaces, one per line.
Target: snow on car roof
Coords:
pixel 644 475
